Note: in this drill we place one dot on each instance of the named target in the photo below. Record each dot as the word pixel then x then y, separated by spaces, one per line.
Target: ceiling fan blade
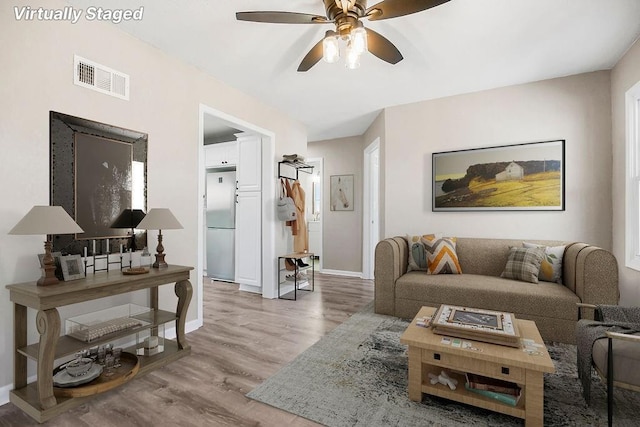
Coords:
pixel 312 58
pixel 382 47
pixel 282 17
pixel 387 9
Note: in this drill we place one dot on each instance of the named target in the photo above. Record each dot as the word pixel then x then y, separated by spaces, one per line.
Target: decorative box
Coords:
pixel 100 324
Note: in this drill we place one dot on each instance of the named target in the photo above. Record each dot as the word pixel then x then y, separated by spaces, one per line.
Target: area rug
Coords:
pixel 357 376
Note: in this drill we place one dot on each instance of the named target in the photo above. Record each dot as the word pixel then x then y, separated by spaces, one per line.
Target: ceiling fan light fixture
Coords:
pixel 331 47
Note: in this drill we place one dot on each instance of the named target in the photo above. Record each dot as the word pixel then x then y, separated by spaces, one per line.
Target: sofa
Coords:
pixel 589 275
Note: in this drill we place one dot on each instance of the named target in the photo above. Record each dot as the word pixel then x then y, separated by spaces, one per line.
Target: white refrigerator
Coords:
pixel 221 224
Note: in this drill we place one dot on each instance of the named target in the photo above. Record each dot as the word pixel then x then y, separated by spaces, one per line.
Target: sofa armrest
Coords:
pixel 391 258
pixel 594 275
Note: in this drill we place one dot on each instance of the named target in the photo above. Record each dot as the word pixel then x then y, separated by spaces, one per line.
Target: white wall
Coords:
pixel 37 77
pixel 625 74
pixel 575 108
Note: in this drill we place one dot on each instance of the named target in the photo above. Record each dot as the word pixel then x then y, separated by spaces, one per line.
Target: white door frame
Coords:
pixel 371 208
pixel 319 160
pixel 269 287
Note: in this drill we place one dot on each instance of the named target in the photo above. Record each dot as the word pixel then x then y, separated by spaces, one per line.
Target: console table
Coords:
pixel 37 399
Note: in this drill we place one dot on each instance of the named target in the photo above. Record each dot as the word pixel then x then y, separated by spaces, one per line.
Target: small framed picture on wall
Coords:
pixel 341 187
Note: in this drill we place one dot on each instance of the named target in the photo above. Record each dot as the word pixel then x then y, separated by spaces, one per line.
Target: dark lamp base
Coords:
pixel 160 263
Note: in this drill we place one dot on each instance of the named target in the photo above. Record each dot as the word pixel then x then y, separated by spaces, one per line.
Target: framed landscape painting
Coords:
pixel 522 177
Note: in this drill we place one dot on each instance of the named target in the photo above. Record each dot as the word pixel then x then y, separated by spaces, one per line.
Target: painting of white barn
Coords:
pixel 513 172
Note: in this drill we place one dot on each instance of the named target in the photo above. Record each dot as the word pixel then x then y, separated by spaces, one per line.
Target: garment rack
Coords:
pixel 297 166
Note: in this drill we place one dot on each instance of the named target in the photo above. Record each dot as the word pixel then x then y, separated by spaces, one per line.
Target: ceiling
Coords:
pixel 459 47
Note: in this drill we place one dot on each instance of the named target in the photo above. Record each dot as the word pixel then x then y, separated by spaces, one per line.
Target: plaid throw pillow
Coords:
pixel 523 264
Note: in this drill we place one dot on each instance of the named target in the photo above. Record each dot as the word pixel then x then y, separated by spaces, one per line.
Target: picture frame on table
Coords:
pixel 56 258
pixel 72 267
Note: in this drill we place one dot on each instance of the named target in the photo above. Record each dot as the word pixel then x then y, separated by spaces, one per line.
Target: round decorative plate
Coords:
pixel 63 379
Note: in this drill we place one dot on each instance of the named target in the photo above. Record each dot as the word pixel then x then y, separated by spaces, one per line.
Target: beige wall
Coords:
pixel 575 108
pixel 624 75
pixel 37 77
pixel 342 230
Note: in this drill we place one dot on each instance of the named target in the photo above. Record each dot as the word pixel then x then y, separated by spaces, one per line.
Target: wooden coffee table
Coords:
pixel 427 354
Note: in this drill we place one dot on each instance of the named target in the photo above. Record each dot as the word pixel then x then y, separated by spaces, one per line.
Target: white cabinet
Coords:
pixel 249 168
pixel 221 154
pixel 248 241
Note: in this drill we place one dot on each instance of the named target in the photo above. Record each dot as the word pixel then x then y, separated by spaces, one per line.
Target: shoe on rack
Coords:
pixel 301 263
pixel 300 277
pixel 289 264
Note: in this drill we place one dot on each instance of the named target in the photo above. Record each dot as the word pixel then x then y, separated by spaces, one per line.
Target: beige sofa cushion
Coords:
pixel 543 299
pixel 626 359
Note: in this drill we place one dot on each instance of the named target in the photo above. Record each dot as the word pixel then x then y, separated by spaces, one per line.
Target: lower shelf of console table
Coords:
pixel 28 400
pixel 37 399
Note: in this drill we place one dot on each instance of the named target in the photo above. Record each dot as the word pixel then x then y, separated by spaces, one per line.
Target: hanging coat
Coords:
pixel 301 238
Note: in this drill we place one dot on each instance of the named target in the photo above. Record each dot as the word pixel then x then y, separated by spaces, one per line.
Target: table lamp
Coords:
pixel 129 218
pixel 159 219
pixel 47 220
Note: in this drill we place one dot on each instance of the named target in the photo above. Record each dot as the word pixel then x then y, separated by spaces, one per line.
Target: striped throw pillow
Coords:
pixel 523 264
pixel 441 255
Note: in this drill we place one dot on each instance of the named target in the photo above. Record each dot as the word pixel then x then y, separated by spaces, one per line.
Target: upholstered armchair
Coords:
pixel 611 344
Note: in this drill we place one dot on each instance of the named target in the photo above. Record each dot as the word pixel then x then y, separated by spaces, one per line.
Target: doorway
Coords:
pixel 223 120
pixel 314 194
pixel 371 203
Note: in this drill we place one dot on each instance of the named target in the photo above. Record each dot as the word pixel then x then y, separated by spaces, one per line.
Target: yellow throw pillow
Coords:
pixel 441 255
pixel 551 265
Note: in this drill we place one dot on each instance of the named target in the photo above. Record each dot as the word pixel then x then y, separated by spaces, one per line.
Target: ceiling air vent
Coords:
pixel 103 79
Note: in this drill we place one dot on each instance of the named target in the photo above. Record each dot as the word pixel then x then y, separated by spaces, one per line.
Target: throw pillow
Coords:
pixel 417 255
pixel 523 264
pixel 441 255
pixel 551 266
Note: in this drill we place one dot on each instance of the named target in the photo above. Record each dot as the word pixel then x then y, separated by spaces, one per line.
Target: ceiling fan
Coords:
pixel 347 16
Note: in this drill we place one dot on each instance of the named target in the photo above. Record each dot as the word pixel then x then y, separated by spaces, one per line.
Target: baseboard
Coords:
pixel 252 289
pixel 357 274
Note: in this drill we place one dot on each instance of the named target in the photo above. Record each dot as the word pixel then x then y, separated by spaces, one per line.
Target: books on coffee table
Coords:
pixel 495 327
pixel 502 391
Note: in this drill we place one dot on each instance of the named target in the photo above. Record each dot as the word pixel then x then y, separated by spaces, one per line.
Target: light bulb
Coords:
pixel 331 47
pixel 359 39
pixel 352 60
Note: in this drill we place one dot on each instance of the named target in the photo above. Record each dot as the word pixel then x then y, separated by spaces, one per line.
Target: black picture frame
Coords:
pixel 65 133
pixel 526 177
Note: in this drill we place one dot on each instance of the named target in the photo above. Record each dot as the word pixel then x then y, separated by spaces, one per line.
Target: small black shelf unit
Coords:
pixel 299 284
pixel 295 166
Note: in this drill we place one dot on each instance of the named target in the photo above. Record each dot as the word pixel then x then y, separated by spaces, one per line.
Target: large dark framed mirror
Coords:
pixel 97 171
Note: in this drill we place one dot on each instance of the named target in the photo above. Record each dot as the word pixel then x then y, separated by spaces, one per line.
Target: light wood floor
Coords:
pixel 244 340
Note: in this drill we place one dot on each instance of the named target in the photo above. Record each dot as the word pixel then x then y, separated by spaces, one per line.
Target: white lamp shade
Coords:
pixel 46 220
pixel 159 219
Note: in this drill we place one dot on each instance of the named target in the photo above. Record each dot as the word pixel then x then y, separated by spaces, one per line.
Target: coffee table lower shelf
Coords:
pixel 462 395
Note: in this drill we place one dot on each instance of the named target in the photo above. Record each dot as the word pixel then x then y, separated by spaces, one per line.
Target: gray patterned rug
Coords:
pixel 357 376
